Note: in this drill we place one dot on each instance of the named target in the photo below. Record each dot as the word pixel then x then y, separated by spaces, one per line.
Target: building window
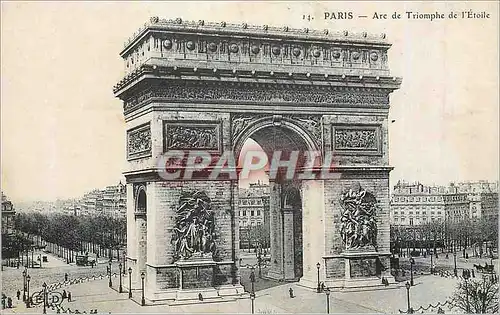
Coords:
pixel 244 213
pixel 252 213
pixel 258 213
pixel 411 221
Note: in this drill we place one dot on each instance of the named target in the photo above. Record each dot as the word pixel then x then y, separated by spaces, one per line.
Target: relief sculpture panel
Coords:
pixel 194 231
pixel 139 142
pixel 188 135
pixel 358 218
pixel 357 140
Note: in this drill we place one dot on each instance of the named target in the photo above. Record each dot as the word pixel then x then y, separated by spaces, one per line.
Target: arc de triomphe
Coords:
pixel 211 86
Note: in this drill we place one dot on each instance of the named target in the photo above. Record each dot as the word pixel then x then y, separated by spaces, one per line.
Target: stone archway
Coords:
pixel 191 86
pixel 285 134
pixel 141 227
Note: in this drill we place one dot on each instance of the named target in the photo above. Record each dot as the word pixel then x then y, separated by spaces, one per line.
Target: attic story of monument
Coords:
pixel 211 86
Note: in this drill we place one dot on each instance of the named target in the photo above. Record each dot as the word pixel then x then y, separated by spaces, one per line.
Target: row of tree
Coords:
pixel 66 234
pixel 479 234
pixel 255 236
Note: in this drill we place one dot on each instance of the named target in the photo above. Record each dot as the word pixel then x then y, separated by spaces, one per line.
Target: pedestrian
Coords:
pixel 9 302
pixel 65 277
pixel 64 295
pixel 322 286
pixel 290 291
pixel 18 294
pixel 69 296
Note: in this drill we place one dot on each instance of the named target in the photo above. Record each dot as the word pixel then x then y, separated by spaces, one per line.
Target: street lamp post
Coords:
pixel 124 262
pixel 28 278
pixel 143 300
pixel 259 261
pixel 252 293
pixel 482 298
pixel 24 284
pixel 109 268
pixel 455 262
pixel 466 276
pixel 44 285
pixel 432 269
pixel 327 291
pixel 318 289
pixel 412 262
pixel 120 288
pixel 408 285
pixel 129 282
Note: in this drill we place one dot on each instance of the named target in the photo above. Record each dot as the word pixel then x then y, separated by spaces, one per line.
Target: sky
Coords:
pixel 63 132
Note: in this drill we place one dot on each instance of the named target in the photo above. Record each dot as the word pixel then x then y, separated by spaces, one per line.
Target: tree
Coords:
pixel 477 296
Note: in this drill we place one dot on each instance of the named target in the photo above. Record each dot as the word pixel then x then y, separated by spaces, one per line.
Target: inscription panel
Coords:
pixel 359 140
pixel 139 142
pixel 192 135
pixel 363 267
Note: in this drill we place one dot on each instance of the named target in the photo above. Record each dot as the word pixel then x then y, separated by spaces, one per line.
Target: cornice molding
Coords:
pixel 246 30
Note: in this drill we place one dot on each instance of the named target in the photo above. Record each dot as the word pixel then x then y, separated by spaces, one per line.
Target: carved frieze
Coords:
pixel 260 94
pixel 139 142
pixel 357 139
pixel 192 135
pixel 358 218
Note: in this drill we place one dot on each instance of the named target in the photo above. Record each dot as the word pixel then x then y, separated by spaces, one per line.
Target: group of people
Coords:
pixel 6 301
pixel 66 295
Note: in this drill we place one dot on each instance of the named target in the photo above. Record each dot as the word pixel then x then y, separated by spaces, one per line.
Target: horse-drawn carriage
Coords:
pixel 485 269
